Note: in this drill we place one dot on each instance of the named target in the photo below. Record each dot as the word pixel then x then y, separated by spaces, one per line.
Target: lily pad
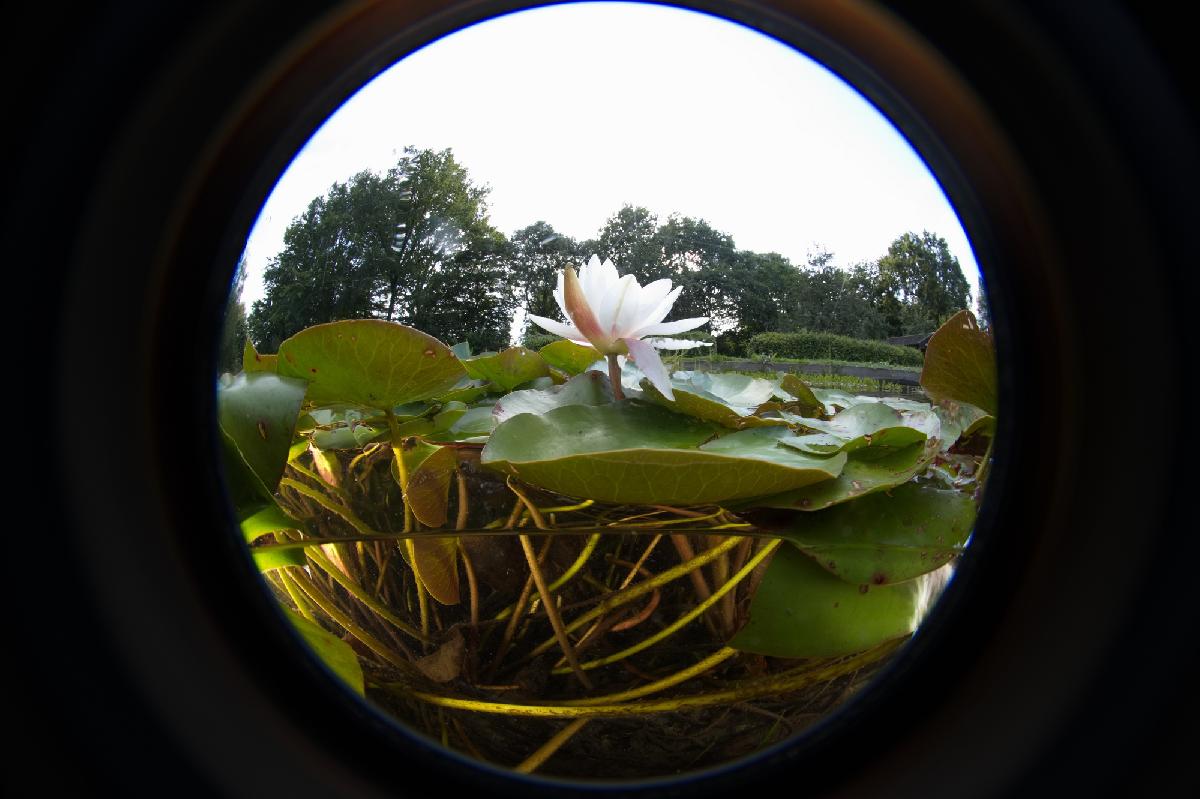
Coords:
pixel 335 653
pixel 429 470
pixel 258 412
pixel 637 453
pixel 810 406
pixel 475 424
pixel 589 388
pixel 369 362
pixel 866 471
pixel 803 611
pixel 960 364
pixel 269 519
pixel 569 357
pixel 729 400
pixel 508 369
pixel 882 538
pixel 253 361
pixel 461 350
pixel 864 425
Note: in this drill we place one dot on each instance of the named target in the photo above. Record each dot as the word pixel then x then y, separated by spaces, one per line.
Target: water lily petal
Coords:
pixel 651 365
pixel 661 310
pixel 558 328
pixel 667 328
pixel 560 297
pixel 652 295
pixel 580 311
pixel 619 300
pixel 676 343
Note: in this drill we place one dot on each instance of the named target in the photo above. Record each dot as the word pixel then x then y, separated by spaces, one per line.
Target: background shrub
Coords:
pixel 828 346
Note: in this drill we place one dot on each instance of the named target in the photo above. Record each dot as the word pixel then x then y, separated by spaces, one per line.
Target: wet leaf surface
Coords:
pixel 801 610
pixel 632 452
pixel 960 364
pixel 887 537
pixel 369 362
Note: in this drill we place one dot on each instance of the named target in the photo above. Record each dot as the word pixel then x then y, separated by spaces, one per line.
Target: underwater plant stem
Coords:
pixel 774 685
pixel 328 504
pixel 362 596
pixel 699 585
pixel 464 507
pixel 546 750
pixel 552 613
pixel 518 610
pixel 472 582
pixel 333 612
pixel 683 675
pixel 571 571
pixel 685 619
pixel 614 377
pixel 302 605
pixel 641 589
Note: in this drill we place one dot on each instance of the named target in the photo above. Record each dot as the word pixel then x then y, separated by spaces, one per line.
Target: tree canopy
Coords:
pixel 415 245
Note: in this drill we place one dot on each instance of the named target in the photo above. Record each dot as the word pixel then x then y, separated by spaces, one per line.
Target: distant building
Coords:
pixel 917 340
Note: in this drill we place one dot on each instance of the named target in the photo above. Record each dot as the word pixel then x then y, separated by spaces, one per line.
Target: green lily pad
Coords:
pixel 637 453
pixel 475 424
pixel 881 538
pixel 258 412
pixel 509 369
pixel 465 390
pixel 810 406
pixel 429 470
pixel 729 400
pixel 960 364
pixel 866 471
pixel 335 653
pixel 589 388
pixel 803 611
pixel 864 425
pixel 962 420
pixel 253 361
pixel 461 350
pixel 568 356
pixel 269 519
pixel 369 362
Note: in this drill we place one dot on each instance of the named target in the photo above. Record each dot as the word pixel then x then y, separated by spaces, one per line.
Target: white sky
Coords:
pixel 569 112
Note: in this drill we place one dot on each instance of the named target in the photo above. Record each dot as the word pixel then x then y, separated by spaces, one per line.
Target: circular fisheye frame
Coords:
pixel 603 561
pixel 577 543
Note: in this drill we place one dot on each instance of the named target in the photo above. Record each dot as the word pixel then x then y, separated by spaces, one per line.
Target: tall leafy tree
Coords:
pixel 537 255
pixel 920 284
pixel 413 245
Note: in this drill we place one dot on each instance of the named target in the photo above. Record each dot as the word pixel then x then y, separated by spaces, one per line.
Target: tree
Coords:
pixel 412 246
pixel 537 255
pixel 920 284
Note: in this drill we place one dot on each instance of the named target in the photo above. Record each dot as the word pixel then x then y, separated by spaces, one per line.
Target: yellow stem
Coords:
pixel 534 761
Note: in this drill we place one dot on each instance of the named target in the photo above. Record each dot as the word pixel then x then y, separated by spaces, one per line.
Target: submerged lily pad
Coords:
pixel 369 362
pixel 335 653
pixel 632 452
pixel 475 424
pixel 803 611
pixel 960 364
pixel 589 388
pixel 508 369
pixel 881 539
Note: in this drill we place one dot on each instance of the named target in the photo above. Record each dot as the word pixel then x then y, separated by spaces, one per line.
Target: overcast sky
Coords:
pixel 570 112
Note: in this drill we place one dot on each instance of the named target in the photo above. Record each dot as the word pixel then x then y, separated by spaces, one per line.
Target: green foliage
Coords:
pixel 411 246
pixel 536 341
pixel 810 346
pixel 919 284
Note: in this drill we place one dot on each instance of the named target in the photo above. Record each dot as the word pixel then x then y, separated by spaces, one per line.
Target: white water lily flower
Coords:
pixel 615 315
